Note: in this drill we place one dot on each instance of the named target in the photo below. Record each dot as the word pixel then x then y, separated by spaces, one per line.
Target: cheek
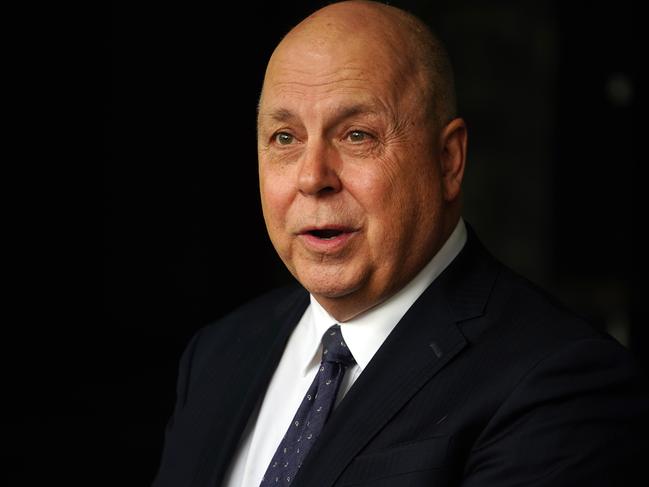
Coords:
pixel 384 190
pixel 399 196
pixel 370 184
pixel 376 190
pixel 275 198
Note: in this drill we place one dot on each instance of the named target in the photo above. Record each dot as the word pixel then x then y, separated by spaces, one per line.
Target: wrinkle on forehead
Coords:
pixel 287 75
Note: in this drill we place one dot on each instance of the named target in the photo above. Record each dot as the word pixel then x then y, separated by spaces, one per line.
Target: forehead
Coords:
pixel 320 74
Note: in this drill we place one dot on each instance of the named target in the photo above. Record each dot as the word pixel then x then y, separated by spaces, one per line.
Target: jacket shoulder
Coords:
pixel 255 321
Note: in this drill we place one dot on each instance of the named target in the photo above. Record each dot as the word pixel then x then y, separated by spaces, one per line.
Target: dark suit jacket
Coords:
pixel 484 382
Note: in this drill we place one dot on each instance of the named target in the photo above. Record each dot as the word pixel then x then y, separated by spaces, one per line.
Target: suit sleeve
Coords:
pixel 579 417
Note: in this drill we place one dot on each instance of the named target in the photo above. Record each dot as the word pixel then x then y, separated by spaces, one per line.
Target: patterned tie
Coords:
pixel 313 411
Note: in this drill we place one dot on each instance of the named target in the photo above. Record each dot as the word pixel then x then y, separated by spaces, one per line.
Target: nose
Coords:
pixel 318 173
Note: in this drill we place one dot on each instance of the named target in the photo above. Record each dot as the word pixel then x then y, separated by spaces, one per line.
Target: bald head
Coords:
pixel 400 41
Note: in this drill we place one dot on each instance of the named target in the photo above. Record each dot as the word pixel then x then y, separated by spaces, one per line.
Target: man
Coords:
pixel 451 370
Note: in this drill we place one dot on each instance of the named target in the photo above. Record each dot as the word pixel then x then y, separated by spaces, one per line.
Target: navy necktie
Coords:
pixel 313 411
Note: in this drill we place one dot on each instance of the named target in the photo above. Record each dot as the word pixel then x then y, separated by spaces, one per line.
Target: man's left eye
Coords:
pixel 357 136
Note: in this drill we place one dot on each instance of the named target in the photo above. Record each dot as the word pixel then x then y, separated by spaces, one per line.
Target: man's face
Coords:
pixel 349 171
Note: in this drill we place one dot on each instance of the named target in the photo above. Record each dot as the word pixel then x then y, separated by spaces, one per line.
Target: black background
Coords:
pixel 157 230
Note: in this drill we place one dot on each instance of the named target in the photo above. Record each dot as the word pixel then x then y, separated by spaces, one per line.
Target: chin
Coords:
pixel 328 290
pixel 328 285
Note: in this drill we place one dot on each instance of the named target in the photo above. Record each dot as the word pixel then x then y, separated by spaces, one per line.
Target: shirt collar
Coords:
pixel 365 333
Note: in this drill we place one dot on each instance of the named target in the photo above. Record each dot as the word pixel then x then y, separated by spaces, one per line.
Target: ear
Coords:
pixel 453 139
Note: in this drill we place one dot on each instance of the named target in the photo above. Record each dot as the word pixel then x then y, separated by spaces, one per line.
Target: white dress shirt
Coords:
pixel 299 364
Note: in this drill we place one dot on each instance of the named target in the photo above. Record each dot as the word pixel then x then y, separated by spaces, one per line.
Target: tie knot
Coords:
pixel 334 348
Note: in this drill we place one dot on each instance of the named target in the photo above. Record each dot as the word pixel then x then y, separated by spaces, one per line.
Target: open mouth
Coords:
pixel 326 234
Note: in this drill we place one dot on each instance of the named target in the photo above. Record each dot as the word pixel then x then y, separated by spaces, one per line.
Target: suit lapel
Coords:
pixel 423 342
pixel 229 411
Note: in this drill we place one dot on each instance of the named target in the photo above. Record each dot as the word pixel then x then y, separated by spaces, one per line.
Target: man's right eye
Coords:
pixel 282 138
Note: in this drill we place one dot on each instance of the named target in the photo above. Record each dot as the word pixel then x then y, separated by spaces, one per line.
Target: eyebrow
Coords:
pixel 279 115
pixel 284 115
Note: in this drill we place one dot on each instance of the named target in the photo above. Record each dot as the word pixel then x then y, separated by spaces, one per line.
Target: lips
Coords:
pixel 328 238
pixel 326 233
